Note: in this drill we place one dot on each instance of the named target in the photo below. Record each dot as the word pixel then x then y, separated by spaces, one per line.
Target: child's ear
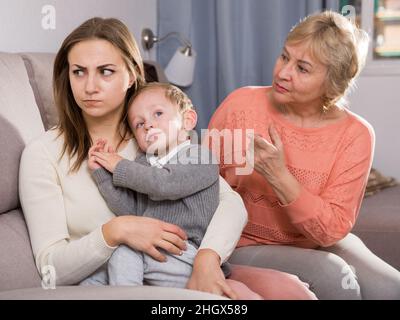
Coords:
pixel 189 119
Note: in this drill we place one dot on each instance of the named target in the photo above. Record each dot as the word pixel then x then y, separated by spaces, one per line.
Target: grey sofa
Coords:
pixel 26 111
pixel 378 225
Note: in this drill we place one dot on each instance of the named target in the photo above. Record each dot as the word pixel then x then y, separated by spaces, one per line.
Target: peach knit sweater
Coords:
pixel 331 163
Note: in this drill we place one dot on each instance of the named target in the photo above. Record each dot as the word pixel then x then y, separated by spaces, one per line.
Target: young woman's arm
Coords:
pixel 42 200
pixel 71 258
pixel 220 240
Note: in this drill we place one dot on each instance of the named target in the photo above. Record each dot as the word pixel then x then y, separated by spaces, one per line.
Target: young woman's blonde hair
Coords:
pixel 72 126
pixel 339 44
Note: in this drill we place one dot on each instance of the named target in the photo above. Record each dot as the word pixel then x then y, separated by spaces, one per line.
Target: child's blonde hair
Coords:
pixel 172 93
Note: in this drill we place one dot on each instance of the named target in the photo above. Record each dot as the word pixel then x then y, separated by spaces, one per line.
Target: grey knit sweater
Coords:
pixel 184 192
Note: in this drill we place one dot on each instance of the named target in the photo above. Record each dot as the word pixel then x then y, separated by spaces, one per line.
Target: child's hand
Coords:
pixel 108 159
pixel 97 147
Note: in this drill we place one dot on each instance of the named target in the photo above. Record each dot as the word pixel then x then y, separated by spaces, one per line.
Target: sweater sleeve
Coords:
pixel 226 226
pixel 121 201
pixel 42 200
pixel 329 217
pixel 173 181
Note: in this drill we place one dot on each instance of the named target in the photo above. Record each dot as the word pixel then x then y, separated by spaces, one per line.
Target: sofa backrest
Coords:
pixel 17 267
pixel 39 67
pixel 20 122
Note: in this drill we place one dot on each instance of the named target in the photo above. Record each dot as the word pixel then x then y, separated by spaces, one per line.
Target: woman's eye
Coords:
pixel 107 72
pixel 302 70
pixel 158 113
pixel 284 57
pixel 78 72
pixel 139 125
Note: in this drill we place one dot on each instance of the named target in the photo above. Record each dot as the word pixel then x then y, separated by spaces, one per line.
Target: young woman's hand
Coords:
pixel 146 235
pixel 207 275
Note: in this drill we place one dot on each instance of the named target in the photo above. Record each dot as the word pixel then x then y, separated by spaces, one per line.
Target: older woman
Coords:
pixel 311 158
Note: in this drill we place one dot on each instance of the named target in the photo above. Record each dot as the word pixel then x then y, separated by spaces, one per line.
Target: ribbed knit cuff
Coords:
pixel 99 244
pixel 100 175
pixel 119 175
pixel 303 208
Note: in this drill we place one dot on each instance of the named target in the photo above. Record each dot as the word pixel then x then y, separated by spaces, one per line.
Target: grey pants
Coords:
pixel 346 270
pixel 128 267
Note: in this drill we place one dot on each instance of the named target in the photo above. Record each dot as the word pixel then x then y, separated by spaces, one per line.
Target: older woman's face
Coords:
pixel 298 78
pixel 99 78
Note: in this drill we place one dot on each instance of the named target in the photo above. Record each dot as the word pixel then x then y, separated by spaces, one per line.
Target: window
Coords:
pixel 387 29
pixel 381 19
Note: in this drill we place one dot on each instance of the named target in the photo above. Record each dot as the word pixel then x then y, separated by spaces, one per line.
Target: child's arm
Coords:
pixel 195 171
pixel 121 201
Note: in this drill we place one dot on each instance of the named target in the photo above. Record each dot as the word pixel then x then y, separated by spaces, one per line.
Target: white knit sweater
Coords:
pixel 64 212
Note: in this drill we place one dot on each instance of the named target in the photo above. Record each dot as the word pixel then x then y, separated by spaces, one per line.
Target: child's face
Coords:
pixel 156 122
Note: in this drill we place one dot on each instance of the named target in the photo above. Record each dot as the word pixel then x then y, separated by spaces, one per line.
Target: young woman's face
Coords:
pixel 99 78
pixel 298 79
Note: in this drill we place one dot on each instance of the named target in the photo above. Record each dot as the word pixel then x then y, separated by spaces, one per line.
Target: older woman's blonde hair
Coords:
pixel 71 125
pixel 337 43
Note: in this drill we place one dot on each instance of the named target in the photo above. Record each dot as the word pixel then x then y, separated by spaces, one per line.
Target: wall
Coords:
pixel 377 99
pixel 21 20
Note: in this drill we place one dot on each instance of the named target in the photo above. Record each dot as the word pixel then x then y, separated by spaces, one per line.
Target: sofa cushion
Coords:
pixel 11 146
pixel 40 72
pixel 17 103
pixel 378 224
pixel 17 265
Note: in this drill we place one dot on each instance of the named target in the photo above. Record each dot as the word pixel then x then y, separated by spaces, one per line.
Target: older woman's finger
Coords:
pixel 261 143
pixel 275 138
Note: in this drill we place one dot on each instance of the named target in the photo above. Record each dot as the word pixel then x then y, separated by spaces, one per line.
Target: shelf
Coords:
pixel 388 51
pixel 388 15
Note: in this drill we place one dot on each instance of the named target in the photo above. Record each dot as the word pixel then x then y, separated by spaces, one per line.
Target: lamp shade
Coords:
pixel 180 69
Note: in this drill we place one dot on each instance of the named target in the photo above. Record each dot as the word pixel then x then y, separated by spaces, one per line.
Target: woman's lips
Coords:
pixel 91 102
pixel 280 89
